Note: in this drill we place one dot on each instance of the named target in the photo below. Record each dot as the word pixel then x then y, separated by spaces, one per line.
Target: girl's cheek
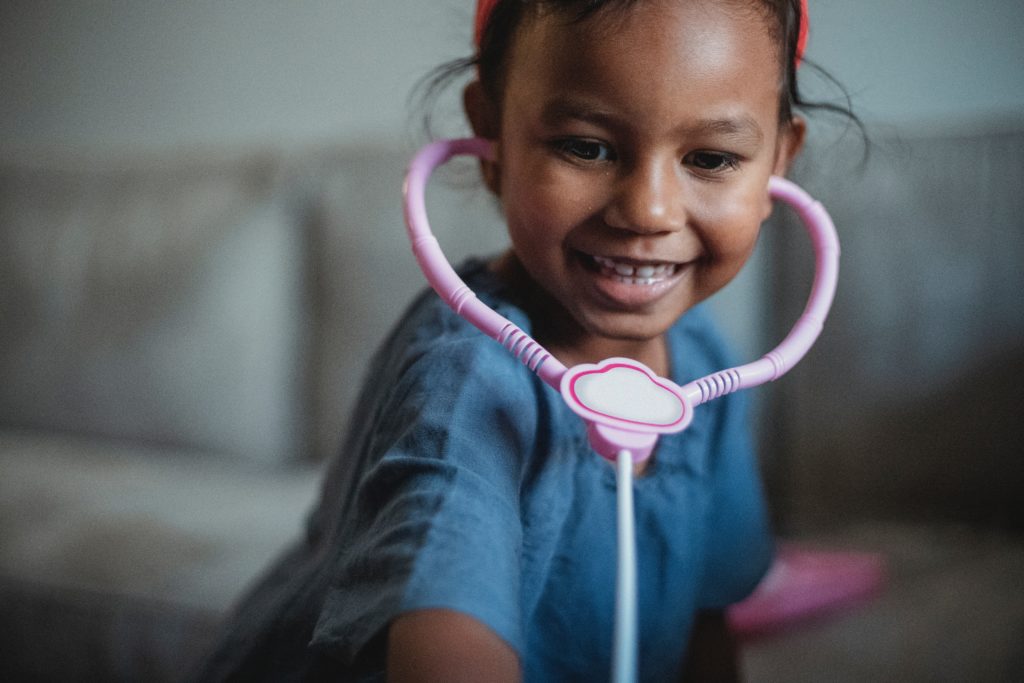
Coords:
pixel 562 194
pixel 714 206
pixel 732 223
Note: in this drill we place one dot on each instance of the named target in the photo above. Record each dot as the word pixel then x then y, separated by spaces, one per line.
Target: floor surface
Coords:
pixel 952 610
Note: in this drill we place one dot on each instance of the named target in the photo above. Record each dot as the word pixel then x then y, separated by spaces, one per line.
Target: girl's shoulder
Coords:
pixel 430 329
pixel 433 350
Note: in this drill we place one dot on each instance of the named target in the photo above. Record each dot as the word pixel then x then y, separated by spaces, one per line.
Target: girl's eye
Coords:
pixel 585 150
pixel 712 161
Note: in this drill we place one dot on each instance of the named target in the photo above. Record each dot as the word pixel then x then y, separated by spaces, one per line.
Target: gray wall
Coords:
pixel 155 73
pixel 924 61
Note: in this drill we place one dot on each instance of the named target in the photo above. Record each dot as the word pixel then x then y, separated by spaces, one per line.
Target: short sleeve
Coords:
pixel 435 520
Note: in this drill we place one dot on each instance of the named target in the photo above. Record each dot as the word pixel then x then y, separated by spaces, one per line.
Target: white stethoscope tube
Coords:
pixel 625 641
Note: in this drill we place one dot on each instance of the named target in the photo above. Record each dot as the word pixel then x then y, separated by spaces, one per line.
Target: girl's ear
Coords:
pixel 791 142
pixel 483 119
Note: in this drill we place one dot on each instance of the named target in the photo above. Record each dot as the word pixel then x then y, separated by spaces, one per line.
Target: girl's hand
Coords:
pixel 443 646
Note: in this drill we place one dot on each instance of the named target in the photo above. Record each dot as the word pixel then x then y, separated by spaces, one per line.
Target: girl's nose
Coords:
pixel 648 199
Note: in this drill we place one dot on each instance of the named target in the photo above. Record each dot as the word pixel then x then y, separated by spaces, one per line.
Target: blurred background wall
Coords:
pixel 123 75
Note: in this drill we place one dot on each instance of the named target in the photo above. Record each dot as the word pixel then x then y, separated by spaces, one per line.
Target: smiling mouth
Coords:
pixel 635 273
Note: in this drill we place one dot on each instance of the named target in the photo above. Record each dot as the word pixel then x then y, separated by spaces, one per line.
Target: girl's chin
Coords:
pixel 628 332
pixel 624 335
pixel 631 312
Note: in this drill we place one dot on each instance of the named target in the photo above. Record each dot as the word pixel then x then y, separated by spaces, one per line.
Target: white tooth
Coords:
pixel 607 263
pixel 624 270
pixel 661 270
pixel 645 272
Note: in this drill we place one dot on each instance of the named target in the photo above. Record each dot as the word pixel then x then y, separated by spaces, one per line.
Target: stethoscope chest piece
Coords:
pixel 625 405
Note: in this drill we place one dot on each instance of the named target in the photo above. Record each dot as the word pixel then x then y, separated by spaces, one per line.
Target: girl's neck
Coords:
pixel 561 335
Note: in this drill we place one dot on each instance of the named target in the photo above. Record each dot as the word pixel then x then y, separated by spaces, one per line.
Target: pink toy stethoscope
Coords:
pixel 624 404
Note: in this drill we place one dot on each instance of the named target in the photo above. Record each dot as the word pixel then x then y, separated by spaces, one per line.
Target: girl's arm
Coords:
pixel 444 646
pixel 712 654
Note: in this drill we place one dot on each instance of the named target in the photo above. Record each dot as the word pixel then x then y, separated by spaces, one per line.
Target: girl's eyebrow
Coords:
pixel 740 128
pixel 560 109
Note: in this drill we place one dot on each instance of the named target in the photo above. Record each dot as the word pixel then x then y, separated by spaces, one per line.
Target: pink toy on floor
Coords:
pixel 805 583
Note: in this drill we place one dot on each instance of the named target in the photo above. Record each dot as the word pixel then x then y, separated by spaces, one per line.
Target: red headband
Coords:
pixel 485 7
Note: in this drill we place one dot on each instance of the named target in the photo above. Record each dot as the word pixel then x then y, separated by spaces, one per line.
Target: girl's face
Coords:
pixel 634 151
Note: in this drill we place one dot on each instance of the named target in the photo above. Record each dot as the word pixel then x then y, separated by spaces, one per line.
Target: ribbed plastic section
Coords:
pixel 521 345
pixel 718 384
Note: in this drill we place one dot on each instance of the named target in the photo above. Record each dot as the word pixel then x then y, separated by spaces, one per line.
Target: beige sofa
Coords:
pixel 181 339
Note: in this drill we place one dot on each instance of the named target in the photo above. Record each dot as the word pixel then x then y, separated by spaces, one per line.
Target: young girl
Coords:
pixel 467 530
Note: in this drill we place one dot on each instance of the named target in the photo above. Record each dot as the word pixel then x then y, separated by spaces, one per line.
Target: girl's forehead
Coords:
pixel 608 15
pixel 659 63
pixel 684 37
pixel 676 25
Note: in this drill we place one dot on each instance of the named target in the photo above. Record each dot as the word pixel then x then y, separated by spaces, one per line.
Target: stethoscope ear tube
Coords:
pixel 804 333
pixel 443 278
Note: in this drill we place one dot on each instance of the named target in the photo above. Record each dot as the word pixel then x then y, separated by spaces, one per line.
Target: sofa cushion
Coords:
pixel 365 273
pixel 119 560
pixel 160 303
